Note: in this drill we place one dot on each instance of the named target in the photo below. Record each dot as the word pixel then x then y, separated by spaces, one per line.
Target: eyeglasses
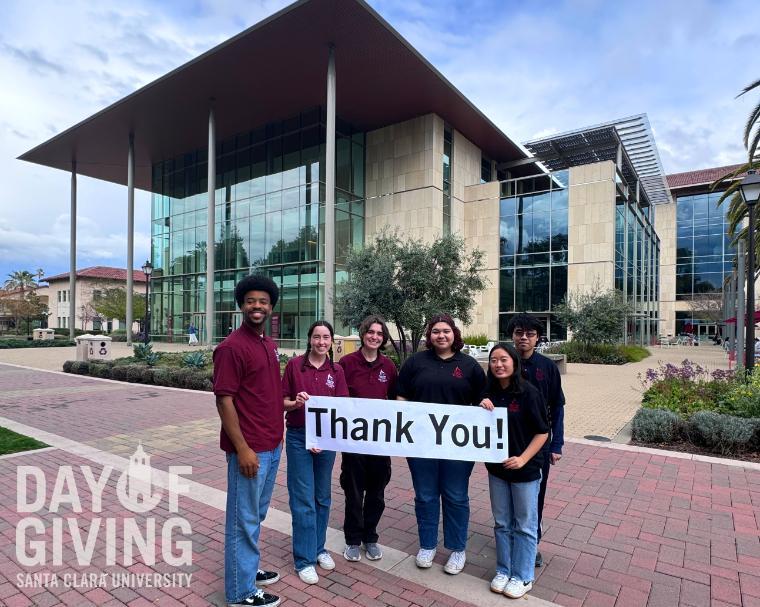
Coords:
pixel 521 333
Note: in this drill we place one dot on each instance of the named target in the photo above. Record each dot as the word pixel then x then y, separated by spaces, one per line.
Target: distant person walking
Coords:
pixel 192 334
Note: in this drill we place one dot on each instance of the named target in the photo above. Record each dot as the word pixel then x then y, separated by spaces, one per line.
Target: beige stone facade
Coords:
pixel 591 227
pixel 665 226
pixel 404 185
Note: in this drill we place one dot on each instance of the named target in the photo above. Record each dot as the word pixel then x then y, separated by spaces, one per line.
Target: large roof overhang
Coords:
pixel 641 160
pixel 272 71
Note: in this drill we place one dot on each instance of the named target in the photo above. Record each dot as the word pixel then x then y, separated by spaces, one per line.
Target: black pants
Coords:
pixel 363 478
pixel 542 489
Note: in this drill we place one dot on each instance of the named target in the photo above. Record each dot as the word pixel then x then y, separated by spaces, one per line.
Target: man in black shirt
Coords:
pixel 526 330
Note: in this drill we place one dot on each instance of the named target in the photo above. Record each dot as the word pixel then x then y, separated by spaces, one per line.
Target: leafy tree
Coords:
pixel 28 308
pixel 112 303
pixel 88 313
pixel 21 280
pixel 408 281
pixel 595 316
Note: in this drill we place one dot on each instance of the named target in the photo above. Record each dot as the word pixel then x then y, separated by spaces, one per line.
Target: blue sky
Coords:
pixel 535 68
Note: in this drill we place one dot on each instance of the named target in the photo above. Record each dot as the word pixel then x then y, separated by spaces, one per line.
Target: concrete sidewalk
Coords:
pixel 624 526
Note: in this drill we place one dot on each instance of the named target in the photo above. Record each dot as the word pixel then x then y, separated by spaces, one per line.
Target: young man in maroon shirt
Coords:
pixel 249 400
pixel 369 374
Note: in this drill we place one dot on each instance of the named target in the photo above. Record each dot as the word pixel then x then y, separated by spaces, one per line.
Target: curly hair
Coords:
pixel 256 282
pixel 458 341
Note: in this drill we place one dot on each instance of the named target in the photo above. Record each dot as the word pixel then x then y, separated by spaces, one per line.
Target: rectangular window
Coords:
pixel 448 140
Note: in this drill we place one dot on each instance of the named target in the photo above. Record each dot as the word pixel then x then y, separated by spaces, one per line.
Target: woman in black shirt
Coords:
pixel 441 374
pixel 514 483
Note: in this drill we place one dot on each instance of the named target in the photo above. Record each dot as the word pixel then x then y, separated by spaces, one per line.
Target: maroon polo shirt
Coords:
pixel 328 380
pixel 247 368
pixel 376 379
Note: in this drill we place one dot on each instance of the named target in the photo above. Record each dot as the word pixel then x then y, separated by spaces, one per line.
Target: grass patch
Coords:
pixel 12 442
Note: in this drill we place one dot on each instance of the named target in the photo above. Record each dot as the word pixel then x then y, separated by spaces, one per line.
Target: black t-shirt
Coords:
pixel 426 378
pixel 526 417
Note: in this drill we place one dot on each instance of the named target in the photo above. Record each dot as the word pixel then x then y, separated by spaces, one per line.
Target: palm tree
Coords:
pixel 737 210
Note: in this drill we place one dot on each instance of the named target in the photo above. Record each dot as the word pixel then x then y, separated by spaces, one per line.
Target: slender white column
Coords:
pixel 210 237
pixel 73 252
pixel 330 192
pixel 130 235
pixel 741 312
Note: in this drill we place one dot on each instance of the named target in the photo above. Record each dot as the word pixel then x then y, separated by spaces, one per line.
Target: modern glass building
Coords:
pixel 533 247
pixel 270 215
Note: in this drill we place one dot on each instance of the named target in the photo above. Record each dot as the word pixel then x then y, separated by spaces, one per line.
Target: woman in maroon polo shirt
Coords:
pixel 310 471
pixel 369 374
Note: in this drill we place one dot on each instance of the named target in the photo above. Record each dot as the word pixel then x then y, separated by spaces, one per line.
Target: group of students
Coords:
pixel 251 397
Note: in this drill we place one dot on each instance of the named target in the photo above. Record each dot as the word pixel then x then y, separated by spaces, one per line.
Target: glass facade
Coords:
pixel 269 217
pixel 637 266
pixel 447 178
pixel 533 238
pixel 704 255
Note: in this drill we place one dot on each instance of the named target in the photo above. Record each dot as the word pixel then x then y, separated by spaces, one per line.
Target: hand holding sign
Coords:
pixel 411 429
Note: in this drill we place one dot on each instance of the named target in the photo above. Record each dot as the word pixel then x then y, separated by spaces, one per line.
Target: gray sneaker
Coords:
pixel 352 553
pixel 373 551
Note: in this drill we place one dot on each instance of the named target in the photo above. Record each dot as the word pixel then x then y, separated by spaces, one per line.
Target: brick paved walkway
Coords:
pixel 623 526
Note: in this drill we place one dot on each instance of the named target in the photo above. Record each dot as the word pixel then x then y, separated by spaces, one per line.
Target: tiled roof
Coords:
pixel 701 177
pixel 102 272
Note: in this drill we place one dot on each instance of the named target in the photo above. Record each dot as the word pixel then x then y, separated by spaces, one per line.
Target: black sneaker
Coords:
pixel 264 578
pixel 259 599
pixel 539 559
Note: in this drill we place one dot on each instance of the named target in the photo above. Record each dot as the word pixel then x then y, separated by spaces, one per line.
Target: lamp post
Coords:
pixel 750 189
pixel 147 269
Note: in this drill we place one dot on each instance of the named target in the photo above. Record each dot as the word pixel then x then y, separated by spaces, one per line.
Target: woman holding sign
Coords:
pixel 514 483
pixel 310 471
pixel 441 374
pixel 369 374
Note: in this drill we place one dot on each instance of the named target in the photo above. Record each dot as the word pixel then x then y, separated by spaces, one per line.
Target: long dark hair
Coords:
pixel 515 382
pixel 314 325
pixel 458 342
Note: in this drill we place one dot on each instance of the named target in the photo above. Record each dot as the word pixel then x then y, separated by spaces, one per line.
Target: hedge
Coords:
pixel 7 344
pixel 193 379
pixel 599 354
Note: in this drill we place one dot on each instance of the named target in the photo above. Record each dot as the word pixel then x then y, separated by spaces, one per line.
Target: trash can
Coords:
pixel 83 346
pixel 43 334
pixel 345 345
pixel 99 347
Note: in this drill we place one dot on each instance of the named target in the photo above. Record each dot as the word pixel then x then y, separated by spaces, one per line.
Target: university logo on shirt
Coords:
pixel 539 375
pixel 458 373
pixel 514 407
pixel 330 382
pixel 382 377
pixel 276 354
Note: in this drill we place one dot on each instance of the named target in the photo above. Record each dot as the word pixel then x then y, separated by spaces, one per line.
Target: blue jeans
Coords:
pixel 309 488
pixel 436 482
pixel 247 505
pixel 515 515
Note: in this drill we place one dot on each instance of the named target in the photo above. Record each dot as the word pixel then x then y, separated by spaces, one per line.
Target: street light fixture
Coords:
pixel 750 190
pixel 147 269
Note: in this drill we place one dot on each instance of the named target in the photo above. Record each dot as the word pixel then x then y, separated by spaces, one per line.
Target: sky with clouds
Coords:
pixel 535 68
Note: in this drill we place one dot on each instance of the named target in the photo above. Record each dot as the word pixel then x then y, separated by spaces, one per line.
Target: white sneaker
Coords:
pixel 325 561
pixel 517 588
pixel 308 575
pixel 455 564
pixel 499 582
pixel 425 558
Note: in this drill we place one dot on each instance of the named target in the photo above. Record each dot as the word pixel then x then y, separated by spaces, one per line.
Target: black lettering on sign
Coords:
pixel 360 429
pixel 439 426
pixel 317 411
pixel 403 430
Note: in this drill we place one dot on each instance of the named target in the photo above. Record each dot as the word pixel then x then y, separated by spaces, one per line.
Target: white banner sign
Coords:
pixel 405 428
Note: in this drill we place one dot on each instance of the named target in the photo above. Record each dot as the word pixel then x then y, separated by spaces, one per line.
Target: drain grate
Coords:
pixel 601 439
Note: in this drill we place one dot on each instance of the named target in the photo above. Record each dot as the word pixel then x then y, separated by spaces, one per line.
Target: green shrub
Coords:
pixel 634 354
pixel 138 374
pixel 194 360
pixel 162 377
pixel 101 369
pixel 655 426
pixel 80 367
pixel 599 354
pixel 725 434
pixel 479 339
pixel 151 358
pixel 119 372
pixel 191 379
pixel 140 351
pixel 742 398
pixel 7 344
pixel 68 365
